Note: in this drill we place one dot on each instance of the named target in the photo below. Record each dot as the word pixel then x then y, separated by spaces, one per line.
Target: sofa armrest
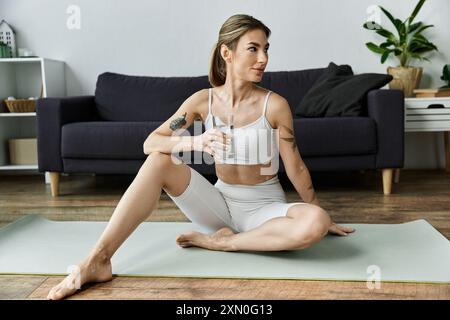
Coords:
pixel 387 109
pixel 52 114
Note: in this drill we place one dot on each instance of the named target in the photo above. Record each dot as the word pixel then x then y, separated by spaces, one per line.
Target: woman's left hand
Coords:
pixel 339 230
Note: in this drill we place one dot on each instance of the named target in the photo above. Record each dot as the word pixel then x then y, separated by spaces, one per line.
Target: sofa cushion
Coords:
pixel 121 97
pixel 338 93
pixel 105 139
pixel 292 85
pixel 335 136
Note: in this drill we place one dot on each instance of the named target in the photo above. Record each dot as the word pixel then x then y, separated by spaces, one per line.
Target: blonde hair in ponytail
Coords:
pixel 230 32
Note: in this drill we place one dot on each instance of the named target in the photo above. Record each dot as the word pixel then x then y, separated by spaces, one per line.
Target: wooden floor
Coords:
pixel 349 197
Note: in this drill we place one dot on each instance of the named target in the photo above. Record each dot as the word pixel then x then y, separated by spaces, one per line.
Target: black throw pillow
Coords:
pixel 339 93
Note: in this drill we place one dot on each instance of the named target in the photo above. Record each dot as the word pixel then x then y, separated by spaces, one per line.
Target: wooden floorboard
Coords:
pixel 19 287
pixel 349 197
pixel 221 289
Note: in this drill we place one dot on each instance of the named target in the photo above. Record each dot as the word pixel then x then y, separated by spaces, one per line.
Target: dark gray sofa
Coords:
pixel 104 133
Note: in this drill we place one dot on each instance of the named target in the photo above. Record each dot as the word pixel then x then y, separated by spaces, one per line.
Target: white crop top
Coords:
pixel 254 143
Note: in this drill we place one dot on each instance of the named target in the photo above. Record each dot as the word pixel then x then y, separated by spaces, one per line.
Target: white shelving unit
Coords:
pixel 419 117
pixel 23 78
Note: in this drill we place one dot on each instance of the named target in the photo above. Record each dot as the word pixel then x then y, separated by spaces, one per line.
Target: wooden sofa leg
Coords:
pixel 387 180
pixel 54 183
pixel 397 175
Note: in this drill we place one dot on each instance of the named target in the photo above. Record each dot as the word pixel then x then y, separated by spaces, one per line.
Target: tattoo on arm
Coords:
pixel 290 138
pixel 178 122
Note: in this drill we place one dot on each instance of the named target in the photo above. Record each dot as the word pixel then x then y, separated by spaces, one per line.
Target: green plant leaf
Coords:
pixel 398 24
pixel 385 55
pixel 416 41
pixel 416 11
pixel 390 17
pixel 386 44
pixel 429 45
pixel 420 47
pixel 420 40
pixel 385 33
pixel 371 25
pixel 423 50
pixel 402 32
pixel 423 28
pixel 419 57
pixel 414 27
pixel 432 45
pixel 373 47
pixel 420 36
pixel 446 72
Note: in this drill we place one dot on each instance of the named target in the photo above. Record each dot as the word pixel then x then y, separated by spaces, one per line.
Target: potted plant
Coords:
pixel 408 44
pixel 4 50
pixel 446 75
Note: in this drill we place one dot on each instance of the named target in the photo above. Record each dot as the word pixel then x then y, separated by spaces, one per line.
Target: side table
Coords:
pixel 428 115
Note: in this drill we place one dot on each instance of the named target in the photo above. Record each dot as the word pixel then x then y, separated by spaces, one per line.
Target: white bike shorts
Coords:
pixel 237 206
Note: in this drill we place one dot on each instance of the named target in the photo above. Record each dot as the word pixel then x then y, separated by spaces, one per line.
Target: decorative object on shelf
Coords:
pixel 432 92
pixel 23 151
pixel 25 53
pixel 446 75
pixel 409 44
pixel 443 91
pixel 8 37
pixel 22 105
pixel 4 50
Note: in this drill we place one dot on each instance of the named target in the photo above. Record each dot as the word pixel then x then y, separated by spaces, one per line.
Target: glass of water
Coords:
pixel 229 130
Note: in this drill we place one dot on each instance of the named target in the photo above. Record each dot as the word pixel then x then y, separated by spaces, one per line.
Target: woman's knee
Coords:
pixel 157 164
pixel 308 211
pixel 174 177
pixel 159 159
pixel 311 227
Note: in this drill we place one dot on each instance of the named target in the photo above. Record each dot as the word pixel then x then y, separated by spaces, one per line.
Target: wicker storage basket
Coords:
pixel 21 105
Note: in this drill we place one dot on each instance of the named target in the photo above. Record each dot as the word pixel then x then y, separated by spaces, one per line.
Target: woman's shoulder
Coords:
pixel 277 108
pixel 199 100
pixel 200 94
pixel 274 96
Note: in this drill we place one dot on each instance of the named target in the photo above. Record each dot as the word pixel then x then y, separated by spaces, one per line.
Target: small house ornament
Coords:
pixel 8 37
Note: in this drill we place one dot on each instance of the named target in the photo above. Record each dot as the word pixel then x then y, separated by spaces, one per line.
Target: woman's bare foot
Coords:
pixel 88 271
pixel 216 241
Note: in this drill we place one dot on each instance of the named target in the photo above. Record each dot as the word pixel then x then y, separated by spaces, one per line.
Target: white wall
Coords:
pixel 175 38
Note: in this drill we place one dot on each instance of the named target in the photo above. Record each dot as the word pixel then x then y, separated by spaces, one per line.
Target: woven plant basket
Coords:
pixel 21 105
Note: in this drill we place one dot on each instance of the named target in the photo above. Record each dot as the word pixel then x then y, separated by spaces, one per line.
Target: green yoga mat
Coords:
pixel 407 252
